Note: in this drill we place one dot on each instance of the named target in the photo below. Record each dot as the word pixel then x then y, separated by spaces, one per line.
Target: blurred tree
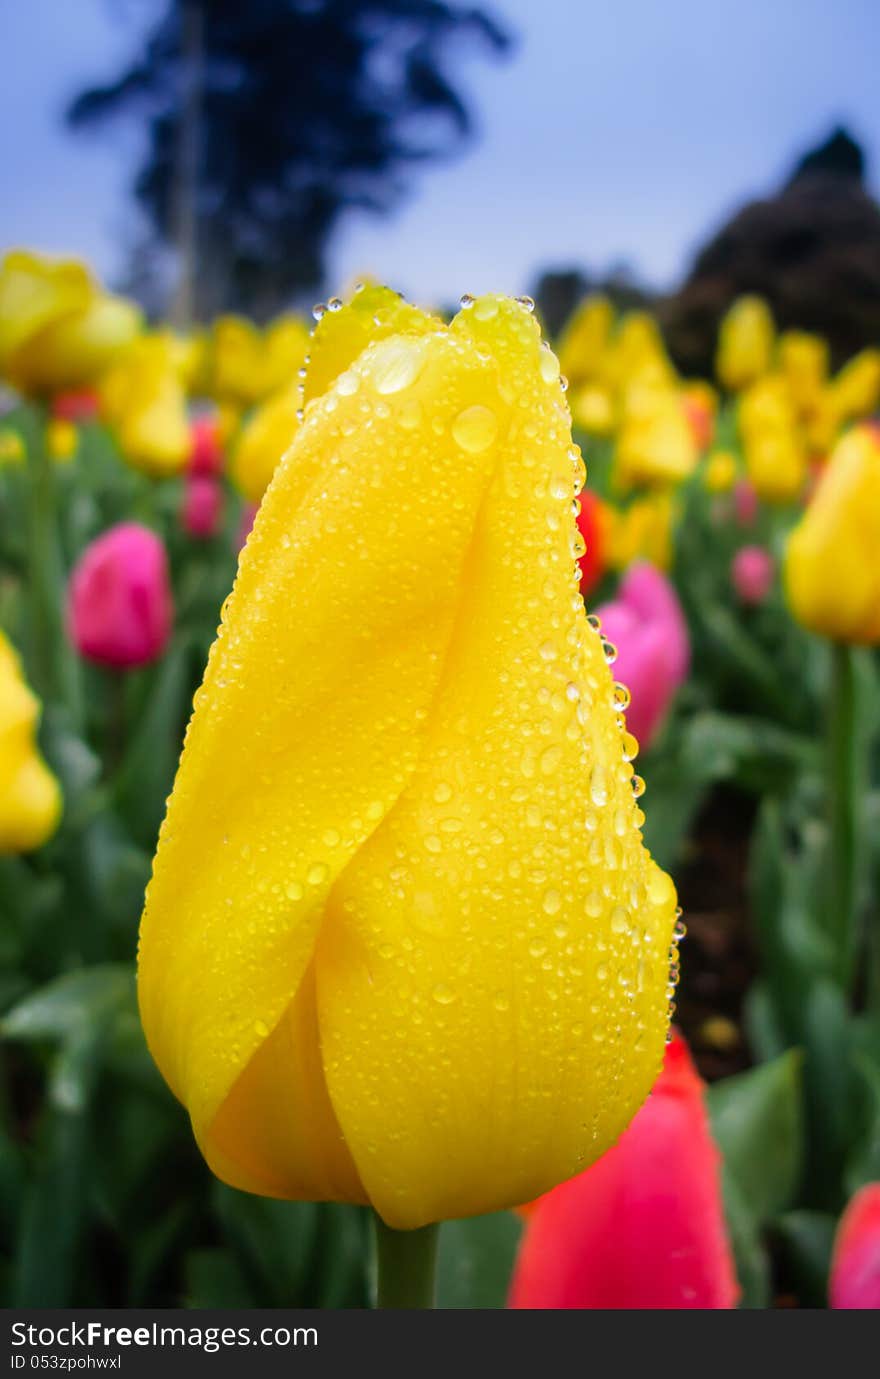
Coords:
pixel 267 120
pixel 813 250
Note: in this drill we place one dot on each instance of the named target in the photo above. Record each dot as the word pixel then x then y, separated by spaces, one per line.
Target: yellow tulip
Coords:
pixel 286 345
pixel 856 389
pixel 403 943
pixel 656 445
pixel 745 343
pixel 58 331
pixel 584 341
pixel 12 451
pixel 62 439
pixel 592 409
pixel 832 563
pixel 144 403
pixel 803 362
pixel 774 454
pixel 237 361
pixel 642 531
pixel 720 473
pixel 30 799
pixel 262 442
pixel 637 356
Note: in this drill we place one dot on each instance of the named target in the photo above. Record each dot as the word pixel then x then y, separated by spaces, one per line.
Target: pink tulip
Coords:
pixel 202 506
pixel 644 1226
pixel 646 624
pixel 855 1264
pixel 119 605
pixel 752 574
pixel 745 502
pixel 206 452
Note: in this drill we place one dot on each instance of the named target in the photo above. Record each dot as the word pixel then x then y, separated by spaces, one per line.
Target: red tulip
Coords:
pixel 206 452
pixel 644 1226
pixel 119 605
pixel 202 506
pixel 75 407
pixel 591 524
pixel 752 573
pixel 855 1264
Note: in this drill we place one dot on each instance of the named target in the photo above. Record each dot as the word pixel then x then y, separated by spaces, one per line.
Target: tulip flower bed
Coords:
pixel 475 747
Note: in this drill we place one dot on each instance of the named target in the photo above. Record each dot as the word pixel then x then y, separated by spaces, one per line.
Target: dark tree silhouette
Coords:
pixel 268 119
pixel 813 250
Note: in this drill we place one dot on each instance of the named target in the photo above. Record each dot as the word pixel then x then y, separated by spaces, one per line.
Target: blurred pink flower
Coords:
pixel 855 1264
pixel 202 506
pixel 119 604
pixel 752 573
pixel 745 502
pixel 646 624
pixel 643 1227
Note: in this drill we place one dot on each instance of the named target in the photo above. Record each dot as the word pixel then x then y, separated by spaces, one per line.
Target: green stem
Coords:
pixel 844 802
pixel 52 665
pixel 405 1266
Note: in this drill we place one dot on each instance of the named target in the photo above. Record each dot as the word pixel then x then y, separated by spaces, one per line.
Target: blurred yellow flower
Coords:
pixel 592 409
pixel 656 445
pixel 30 798
pixel 262 442
pixel 774 454
pixel 720 472
pixel 855 390
pixel 803 363
pixel 642 531
pixel 12 451
pixel 745 343
pixel 584 340
pixel 832 563
pixel 62 439
pixel 58 330
pixel 144 402
pixel 371 955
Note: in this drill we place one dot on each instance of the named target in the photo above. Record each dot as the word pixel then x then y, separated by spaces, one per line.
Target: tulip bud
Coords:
pixel 202 508
pixel 832 570
pixel 855 1263
pixel 30 799
pixel 745 343
pixel 855 391
pixel 647 626
pixel 644 1227
pixel 406 768
pixel 119 607
pixel 752 573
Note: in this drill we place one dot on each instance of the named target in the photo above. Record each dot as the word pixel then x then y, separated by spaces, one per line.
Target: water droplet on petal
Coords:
pixel 475 428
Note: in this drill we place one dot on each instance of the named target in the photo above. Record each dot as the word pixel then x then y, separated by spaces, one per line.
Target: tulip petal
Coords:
pixel 374 313
pixel 309 723
pixel 492 964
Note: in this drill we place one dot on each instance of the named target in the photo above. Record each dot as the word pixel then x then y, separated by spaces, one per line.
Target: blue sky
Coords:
pixel 617 131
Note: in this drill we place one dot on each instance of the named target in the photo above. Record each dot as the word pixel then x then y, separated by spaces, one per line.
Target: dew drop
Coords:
pixel 443 994
pixel 316 873
pixel 466 300
pixel 527 303
pixel 398 366
pixel 293 890
pixel 638 787
pixel 552 902
pixel 475 428
pixel 443 792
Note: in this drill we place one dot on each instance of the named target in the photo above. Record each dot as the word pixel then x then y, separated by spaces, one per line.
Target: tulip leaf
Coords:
pixel 750 1257
pixel 214 1279
pixel 805 1240
pixel 475 1260
pixel 72 1003
pixel 273 1242
pixel 757 1122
